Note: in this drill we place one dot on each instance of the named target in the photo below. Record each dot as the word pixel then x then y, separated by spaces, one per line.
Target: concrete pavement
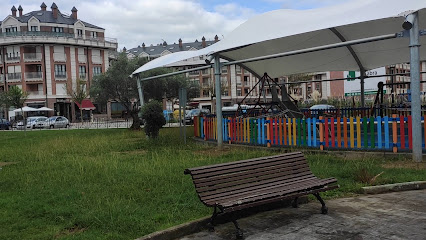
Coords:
pixel 397 215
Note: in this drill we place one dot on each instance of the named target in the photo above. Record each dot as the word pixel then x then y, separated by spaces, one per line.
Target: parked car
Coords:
pixel 21 124
pixel 4 124
pixel 189 117
pixel 55 122
pixel 32 122
pixel 323 110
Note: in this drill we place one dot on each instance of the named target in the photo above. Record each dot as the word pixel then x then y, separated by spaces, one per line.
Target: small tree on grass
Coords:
pixel 152 113
pixel 14 97
pixel 78 95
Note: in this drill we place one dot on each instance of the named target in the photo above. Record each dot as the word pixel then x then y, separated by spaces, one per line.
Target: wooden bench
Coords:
pixel 233 186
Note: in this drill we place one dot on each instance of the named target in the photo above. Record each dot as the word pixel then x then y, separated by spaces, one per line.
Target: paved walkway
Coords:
pixel 399 215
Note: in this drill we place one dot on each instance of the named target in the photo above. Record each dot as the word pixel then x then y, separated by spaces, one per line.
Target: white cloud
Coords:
pixel 150 21
pixel 306 4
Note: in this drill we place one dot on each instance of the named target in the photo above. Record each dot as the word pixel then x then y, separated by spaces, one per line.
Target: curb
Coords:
pixel 178 231
pixel 397 187
pixel 188 228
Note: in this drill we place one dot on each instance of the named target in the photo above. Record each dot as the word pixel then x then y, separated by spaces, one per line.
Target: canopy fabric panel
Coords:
pixel 86 104
pixel 287 30
pixel 25 109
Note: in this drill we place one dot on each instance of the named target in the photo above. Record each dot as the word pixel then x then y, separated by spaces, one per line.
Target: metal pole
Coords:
pixel 140 90
pixel 218 89
pixel 415 88
pixel 362 78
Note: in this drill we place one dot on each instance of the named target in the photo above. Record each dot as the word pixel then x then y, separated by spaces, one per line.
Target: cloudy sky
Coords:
pixel 133 22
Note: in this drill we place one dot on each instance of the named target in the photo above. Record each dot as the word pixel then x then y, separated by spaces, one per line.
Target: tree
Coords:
pixel 14 97
pixel 116 85
pixel 78 94
pixel 152 113
pixel 167 87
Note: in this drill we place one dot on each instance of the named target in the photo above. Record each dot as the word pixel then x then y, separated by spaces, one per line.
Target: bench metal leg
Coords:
pixel 294 203
pixel 239 232
pixel 210 225
pixel 324 209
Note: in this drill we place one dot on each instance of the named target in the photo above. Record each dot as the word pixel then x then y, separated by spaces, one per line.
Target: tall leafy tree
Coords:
pixel 78 94
pixel 15 97
pixel 115 84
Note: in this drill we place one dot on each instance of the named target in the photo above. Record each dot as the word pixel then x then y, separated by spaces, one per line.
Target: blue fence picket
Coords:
pixel 386 127
pixel 379 132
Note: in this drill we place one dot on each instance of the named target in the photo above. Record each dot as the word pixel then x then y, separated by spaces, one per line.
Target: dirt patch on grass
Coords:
pixel 2 164
pixel 212 152
pixel 405 164
pixel 133 152
pixel 70 231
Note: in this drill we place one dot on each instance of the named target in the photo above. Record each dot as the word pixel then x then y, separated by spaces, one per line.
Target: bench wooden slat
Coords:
pixel 283 179
pixel 269 172
pixel 229 186
pixel 277 192
pixel 265 188
pixel 238 164
pixel 277 198
pixel 244 167
pixel 196 169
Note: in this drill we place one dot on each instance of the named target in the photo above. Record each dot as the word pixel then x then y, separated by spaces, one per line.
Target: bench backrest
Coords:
pixel 221 178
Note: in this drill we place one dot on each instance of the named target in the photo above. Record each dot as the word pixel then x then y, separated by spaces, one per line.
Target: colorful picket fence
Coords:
pixel 374 133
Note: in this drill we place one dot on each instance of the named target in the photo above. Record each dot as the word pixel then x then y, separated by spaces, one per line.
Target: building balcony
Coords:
pixel 61 76
pixel 82 58
pixel 32 57
pixel 34 94
pixel 96 60
pixel 14 77
pixel 13 59
pixel 1 79
pixel 59 57
pixel 33 76
pixel 82 76
pixel 56 38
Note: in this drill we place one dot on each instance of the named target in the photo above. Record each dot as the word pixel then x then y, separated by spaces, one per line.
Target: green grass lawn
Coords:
pixel 116 184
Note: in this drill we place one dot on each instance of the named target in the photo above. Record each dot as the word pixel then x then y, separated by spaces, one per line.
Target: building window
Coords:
pixel 12 29
pixel 205 93
pixel 239 93
pixel 82 72
pixel 238 80
pixel 58 29
pixel 246 80
pixel 60 71
pixel 94 34
pixel 34 28
pixel 237 69
pixel 79 33
pixel 225 69
pixel 97 71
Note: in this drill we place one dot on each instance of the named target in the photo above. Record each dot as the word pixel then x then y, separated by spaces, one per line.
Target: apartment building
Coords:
pixel 45 52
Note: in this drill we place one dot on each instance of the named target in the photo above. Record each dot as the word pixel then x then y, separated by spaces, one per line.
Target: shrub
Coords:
pixel 152 113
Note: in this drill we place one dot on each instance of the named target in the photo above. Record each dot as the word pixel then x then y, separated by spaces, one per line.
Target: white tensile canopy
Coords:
pixel 289 30
pixel 45 109
pixel 26 109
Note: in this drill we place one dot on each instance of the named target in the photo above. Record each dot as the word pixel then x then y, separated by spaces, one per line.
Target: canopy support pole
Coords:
pixel 358 62
pixel 218 92
pixel 140 91
pixel 362 82
pixel 415 87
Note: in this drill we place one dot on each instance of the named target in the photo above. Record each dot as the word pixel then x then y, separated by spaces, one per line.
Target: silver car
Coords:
pixel 56 122
pixel 34 122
